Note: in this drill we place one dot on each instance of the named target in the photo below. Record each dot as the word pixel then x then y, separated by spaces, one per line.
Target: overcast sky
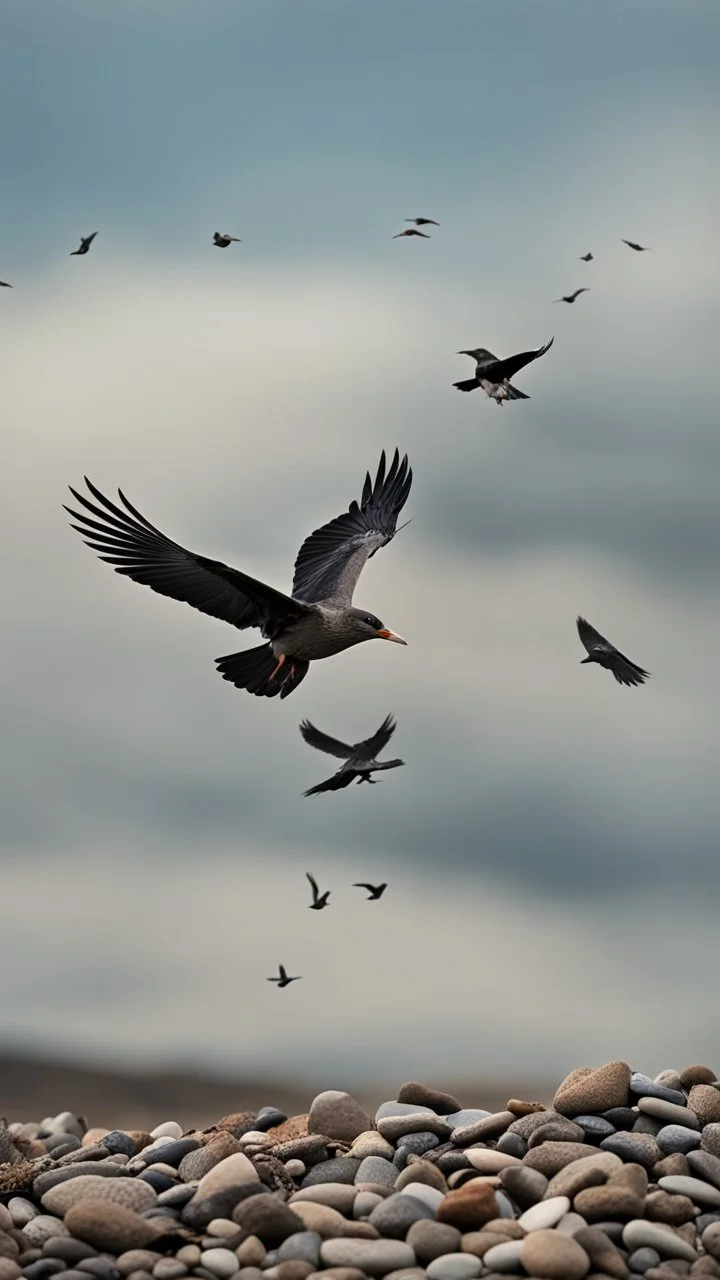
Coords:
pixel 552 845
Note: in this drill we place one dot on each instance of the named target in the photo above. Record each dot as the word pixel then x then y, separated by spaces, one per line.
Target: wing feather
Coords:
pixel 323 742
pixel 371 747
pixel 500 369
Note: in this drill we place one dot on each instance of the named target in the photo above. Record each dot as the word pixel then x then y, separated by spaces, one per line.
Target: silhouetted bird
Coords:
pixel 221 239
pixel 606 655
pixel 358 760
pixel 639 248
pixel 570 297
pixel 284 980
pixel 586 257
pixel 494 375
pixel 375 891
pixel 316 621
pixel 411 231
pixel 4 285
pixel 85 242
pixel 423 222
pixel 318 900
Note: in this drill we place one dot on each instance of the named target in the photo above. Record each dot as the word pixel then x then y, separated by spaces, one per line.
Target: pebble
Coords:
pixel 267 1218
pixel 704 1101
pixel 546 1214
pixel 604 1256
pixel 483 1130
pixel 677 1137
pixel 374 1257
pixel 371 1143
pixel 454 1266
pixel 551 1157
pixel 643 1087
pixel 168 1129
pixel 219 1262
pixel 337 1115
pixel 587 1090
pixel 554 1255
pixel 394 1216
pixel 340 1169
pixel 638 1148
pixel 376 1169
pixel 668 1112
pixel 394 1127
pixel 526 1186
pixel 702 1162
pixel 667 1243
pixel 642 1259
pixel 303 1246
pixel 697 1075
pixel 429 1196
pixel 422 1095
pixel 429 1239
pixel 595 1127
pixel 470 1207
pixel 711 1139
pixel 695 1188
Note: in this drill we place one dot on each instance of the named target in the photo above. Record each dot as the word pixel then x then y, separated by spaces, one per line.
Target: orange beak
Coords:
pixel 389 635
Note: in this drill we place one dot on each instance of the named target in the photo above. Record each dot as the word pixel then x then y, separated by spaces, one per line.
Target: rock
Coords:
pixel 395 1127
pixel 710 1140
pixel 466 1116
pixel 371 1143
pixel 512 1144
pixel 341 1169
pixel 43 1228
pixel 601 1251
pixel 551 1254
pixel 647 1124
pixel 520 1107
pixel 339 1195
pixel 292 1269
pixel 394 1217
pixel 196 1164
pixel 170 1152
pixel 711 1239
pixel 430 1240
pixel 678 1138
pixel 661 1207
pixel 668 1112
pixel 365 1202
pixel 704 1102
pixel 110 1226
pixel 545 1214
pixel 43 1268
pixel 671 1165
pixel 697 1075
pixel 643 1087
pixel 558 1130
pixel 594 1090
pixel 486 1160
pixel 595 1127
pixel 470 1207
pixel 429 1196
pixel 311 1149
pixel 337 1115
pixel 376 1169
pixel 422 1095
pixel 639 1148
pixel 621 1117
pixel 668 1244
pixel 132 1193
pixel 84 1168
pixel 117 1142
pixel 571 1223
pixel 138 1260
pixel 525 1126
pixel 169 1269
pixel 9 1269
pixel 269 1118
pixel 483 1130
pixel 421 1171
pixel 168 1129
pixel 598 1203
pixel 695 1188
pixel 267 1218
pixel 337 1273
pixel 303 1246
pixel 551 1157
pixel 707 1165
pixel 321 1218
pixel 69 1250
pixel 454 1266
pixel 219 1262
pixel 526 1186
pixel 373 1257
pixel 642 1260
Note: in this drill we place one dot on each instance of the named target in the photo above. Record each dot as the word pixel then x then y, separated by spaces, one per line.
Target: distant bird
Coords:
pixel 4 285
pixel 587 257
pixel 221 239
pixel 423 222
pixel 358 760
pixel 375 891
pixel 603 652
pixel 570 297
pixel 639 248
pixel 411 231
pixel 318 900
pixel 85 242
pixel 316 621
pixel 284 980
pixel 494 375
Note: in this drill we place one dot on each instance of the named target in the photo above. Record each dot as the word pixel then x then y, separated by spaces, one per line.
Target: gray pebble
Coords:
pixel 676 1137
pixel 669 1112
pixel 512 1144
pixel 43 1228
pixel 44 1267
pixel 375 1169
pixel 643 1087
pixel 395 1216
pixel 170 1153
pixel 268 1118
pixel 302 1245
pixel 468 1116
pixel 642 1259
pixel 67 1248
pixel 394 1108
pixel 454 1266
pixel 176 1197
pixel 119 1143
pixel 621 1117
pixel 647 1124
pixel 419 1142
pixel 341 1169
pixel 594 1126
pixel 101 1267
pixel 169 1269
pixel 365 1202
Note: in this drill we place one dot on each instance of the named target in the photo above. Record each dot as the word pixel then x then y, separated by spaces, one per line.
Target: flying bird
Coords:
pixel 423 222
pixel 4 285
pixel 603 652
pixel 570 297
pixel 358 760
pixel 318 900
pixel 586 257
pixel 494 375
pixel 375 891
pixel 221 239
pixel 316 621
pixel 639 248
pixel 85 242
pixel 411 231
pixel 283 980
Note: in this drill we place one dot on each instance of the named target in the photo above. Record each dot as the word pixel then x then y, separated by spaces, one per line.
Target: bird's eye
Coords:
pixel 372 622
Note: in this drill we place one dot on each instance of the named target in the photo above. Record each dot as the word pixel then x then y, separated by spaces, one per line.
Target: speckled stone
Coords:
pixel 341 1169
pixel 704 1101
pixel 551 1157
pixel 637 1234
pixel 610 1201
pixel 42 1228
pixel 374 1257
pixel 465 1116
pixel 194 1166
pixel 484 1130
pixel 220 1262
pixel 710 1140
pixel 421 1171
pixel 328 1222
pixel 551 1254
pixel 677 1138
pixel 394 1216
pixel 424 1096
pixel 110 1226
pixel 430 1240
pixel 590 1171
pixel 132 1193
pixel 671 1166
pixel 371 1143
pixel 337 1115
pixel 637 1148
pixel 512 1144
pixel 591 1090
pixel 376 1169
pixel 521 1107
pixel 642 1259
pixel 525 1186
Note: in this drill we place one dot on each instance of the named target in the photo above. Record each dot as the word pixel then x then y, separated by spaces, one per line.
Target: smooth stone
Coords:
pixel 470 1206
pixel 9 1269
pixel 643 1087
pixel 66 1173
pixel 138 1260
pixel 647 1124
pixel 168 1129
pixel 642 1259
pixel 193 1167
pixel 595 1126
pixel 269 1118
pixel 506 1208
pixel 466 1117
pixel 43 1267
pixel 338 1195
pixel 697 1075
pixel 711 1139
pixel 670 1078
pixel 233 1171
pixel 675 1210
pixel 376 1169
pixel 526 1186
pixel 365 1202
pixel 545 1214
pixel 418 1143
pixel 42 1228
pixel 669 1112
pixel 169 1269
pixel 711 1239
pixel 512 1144
pixel 638 1233
pixel 169 1151
pixel 395 1108
pixel 311 1149
pixel 707 1165
pixel 224 1227
pixel 551 1157
pixel 374 1257
pixel 20 1211
pixel 340 1169
pixel 429 1240
pixel 419 1170
pixel 636 1148
pixel 394 1216
pixel 704 1102
pixel 302 1245
pixel 119 1143
pixel 335 1273
pixel 395 1127
pixel 609 1201
pixel 571 1224
pixel 551 1254
pixel 430 1196
pixel 695 1188
pixel 676 1137
pixel 603 1255
pixel 176 1197
pixel 68 1249
pixel 484 1130
pixel 295 1168
pixel 590 1090
pixel 337 1115
pixel 101 1267
pixel 423 1095
pixel 454 1266
pixel 159 1180
pixel 558 1130
pixel 220 1262
pixel 131 1193
pixel 621 1117
pixel 323 1219
pixel 485 1160
pixel 268 1218
pixel 503 1257
pixel 371 1143
pixel 109 1227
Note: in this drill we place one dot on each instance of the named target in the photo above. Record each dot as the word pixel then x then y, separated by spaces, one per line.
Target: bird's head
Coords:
pixel 366 626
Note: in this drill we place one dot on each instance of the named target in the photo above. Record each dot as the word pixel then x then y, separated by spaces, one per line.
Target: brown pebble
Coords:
pixel 506 1227
pixel 521 1108
pixel 267 1217
pixel 551 1157
pixel 430 1240
pixel 670 1166
pixel 110 1227
pixel 137 1260
pixel 661 1206
pixel 251 1253
pixel 559 1130
pixel 422 1095
pixel 589 1171
pixel 420 1170
pixel 705 1102
pixel 697 1075
pixel 9 1269
pixel 588 1090
pixel 295 1127
pixel 705 1267
pixel 602 1252
pixel 478 1242
pixel 293 1269
pixel 548 1253
pixel 470 1207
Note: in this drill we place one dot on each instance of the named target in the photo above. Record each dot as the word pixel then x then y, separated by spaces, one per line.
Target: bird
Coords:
pixel 586 257
pixel 283 980
pixel 316 621
pixel 423 222
pixel 570 297
pixel 221 239
pixel 318 900
pixel 85 242
pixel 639 248
pixel 494 375
pixel 4 285
pixel 412 231
pixel 603 652
pixel 358 760
pixel 375 891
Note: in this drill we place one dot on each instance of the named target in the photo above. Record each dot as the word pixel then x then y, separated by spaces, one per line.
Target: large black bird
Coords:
pixel 375 891
pixel 570 297
pixel 639 248
pixel 319 900
pixel 494 375
pixel 284 980
pixel 358 761
pixel 316 621
pixel 85 242
pixel 221 239
pixel 586 257
pixel 606 655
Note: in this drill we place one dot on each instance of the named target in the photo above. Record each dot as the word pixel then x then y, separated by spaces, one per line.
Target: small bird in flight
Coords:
pixel 284 980
pixel 358 760
pixel 4 285
pixel 411 231
pixel 375 891
pixel 586 257
pixel 494 375
pixel 570 297
pixel 603 652
pixel 221 239
pixel 319 900
pixel 639 248
pixel 423 222
pixel 85 242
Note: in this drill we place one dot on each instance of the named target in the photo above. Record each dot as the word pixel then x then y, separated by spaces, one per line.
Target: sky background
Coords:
pixel 552 845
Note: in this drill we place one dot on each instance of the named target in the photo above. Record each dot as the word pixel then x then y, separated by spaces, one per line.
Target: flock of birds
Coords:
pixel 317 619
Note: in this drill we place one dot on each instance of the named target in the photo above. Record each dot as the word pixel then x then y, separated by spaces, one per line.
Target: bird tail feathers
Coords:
pixel 513 393
pixel 252 670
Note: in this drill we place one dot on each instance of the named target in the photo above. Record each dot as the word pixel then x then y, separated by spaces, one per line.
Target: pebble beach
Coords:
pixel 619 1178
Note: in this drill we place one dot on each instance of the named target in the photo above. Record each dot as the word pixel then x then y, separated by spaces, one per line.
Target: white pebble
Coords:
pixel 222 1262
pixel 431 1196
pixel 504 1257
pixel 545 1214
pixel 222 1227
pixel 22 1211
pixel 169 1129
pixel 295 1168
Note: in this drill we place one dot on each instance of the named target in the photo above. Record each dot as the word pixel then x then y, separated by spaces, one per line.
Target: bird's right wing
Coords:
pixel 507 368
pixel 282 972
pixel 136 548
pixel 313 884
pixel 371 747
pixel 323 742
pixel 338 782
pixel 592 638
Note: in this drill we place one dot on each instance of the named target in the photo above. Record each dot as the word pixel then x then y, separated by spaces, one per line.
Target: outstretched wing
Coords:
pixel 592 639
pixel 512 364
pixel 330 561
pixel 338 782
pixel 323 742
pixel 371 747
pixel 282 971
pixel 313 885
pixel 137 549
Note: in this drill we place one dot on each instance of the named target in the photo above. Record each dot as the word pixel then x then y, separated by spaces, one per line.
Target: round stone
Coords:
pixel 430 1240
pixel 465 1116
pixel 554 1255
pixel 544 1215
pixel 303 1246
pixel 676 1137
pixel 219 1262
pixel 376 1169
pixel 512 1144
pixel 109 1227
pixel 636 1148
pixel 267 1218
pixel 395 1127
pixel 119 1143
pixel 697 1075
pixel 710 1140
pixel 557 1130
pixel 71 1251
pixel 695 1188
pixel 371 1144
pixel 469 1207
pixel 341 1169
pixel 427 1195
pixel 268 1118
pixel 704 1102
pixel 168 1129
pixel 42 1228
pixel 595 1127
pixel 338 1195
pixel 642 1259
pixel 454 1266
pixel 526 1186
pixel 668 1112
pixel 484 1130
pixel 393 1217
pixel 337 1115
pixel 131 1193
pixel 587 1090
pixel 551 1157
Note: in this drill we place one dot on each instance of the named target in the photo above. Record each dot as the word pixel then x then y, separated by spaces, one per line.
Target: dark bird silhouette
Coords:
pixel 85 242
pixel 639 248
pixel 494 375
pixel 358 760
pixel 375 891
pixel 570 297
pixel 423 222
pixel 316 621
pixel 586 257
pixel 606 655
pixel 221 239
pixel 318 900
pixel 411 231
pixel 4 285
pixel 283 980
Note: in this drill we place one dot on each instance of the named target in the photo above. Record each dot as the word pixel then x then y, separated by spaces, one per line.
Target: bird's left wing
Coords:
pixel 313 884
pixel 371 747
pixel 330 561
pixel 512 364
pixel 323 742
pixel 592 638
pixel 338 782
